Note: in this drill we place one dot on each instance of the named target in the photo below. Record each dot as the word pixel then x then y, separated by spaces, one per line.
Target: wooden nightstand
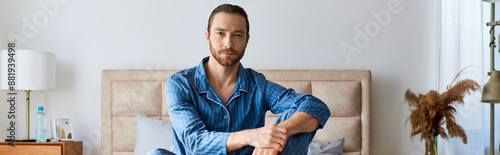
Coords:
pixel 49 148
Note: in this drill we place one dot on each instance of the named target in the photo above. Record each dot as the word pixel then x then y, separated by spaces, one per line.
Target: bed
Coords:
pixel 126 93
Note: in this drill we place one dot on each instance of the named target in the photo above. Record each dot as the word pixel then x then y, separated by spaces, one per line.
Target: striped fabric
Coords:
pixel 202 122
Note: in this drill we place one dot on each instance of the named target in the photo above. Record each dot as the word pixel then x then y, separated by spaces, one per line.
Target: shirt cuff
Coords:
pixel 316 108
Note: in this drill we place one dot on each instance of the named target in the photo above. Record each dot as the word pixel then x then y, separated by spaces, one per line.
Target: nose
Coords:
pixel 228 42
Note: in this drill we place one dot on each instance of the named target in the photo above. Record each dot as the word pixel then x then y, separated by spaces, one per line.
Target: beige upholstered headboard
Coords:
pixel 126 93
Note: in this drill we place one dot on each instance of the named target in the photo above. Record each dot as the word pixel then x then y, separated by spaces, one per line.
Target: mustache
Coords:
pixel 227 50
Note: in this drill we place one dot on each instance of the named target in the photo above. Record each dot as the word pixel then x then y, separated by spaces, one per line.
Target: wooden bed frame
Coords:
pixel 126 93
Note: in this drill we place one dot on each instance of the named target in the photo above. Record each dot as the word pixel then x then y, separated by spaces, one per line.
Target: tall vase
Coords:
pixel 431 147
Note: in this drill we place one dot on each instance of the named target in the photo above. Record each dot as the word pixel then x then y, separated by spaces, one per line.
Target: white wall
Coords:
pixel 92 35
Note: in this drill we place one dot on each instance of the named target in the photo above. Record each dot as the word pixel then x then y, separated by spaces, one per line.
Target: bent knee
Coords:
pixel 160 151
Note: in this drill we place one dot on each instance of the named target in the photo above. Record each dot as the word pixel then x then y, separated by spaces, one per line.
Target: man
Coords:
pixel 219 107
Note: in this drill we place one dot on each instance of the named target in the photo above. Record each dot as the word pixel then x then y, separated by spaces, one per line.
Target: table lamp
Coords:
pixel 491 90
pixel 34 71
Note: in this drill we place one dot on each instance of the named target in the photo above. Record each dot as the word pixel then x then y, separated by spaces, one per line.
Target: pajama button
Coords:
pixel 225 116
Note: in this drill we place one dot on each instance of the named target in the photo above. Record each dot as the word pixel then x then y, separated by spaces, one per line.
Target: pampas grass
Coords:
pixel 430 111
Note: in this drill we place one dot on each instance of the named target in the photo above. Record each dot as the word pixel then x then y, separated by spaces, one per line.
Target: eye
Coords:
pixel 220 33
pixel 238 35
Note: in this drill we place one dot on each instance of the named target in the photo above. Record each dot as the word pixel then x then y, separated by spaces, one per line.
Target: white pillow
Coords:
pixel 152 134
pixel 326 148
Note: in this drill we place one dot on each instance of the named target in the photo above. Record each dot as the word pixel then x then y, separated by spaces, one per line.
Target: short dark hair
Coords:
pixel 231 9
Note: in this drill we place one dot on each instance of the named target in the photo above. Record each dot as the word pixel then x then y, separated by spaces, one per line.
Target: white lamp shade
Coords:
pixel 491 1
pixel 34 70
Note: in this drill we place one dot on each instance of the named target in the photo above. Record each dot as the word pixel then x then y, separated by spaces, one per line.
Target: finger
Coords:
pixel 278 140
pixel 267 152
pixel 280 132
pixel 277 146
pixel 271 151
pixel 259 151
pixel 255 151
pixel 280 135
pixel 275 152
pixel 280 129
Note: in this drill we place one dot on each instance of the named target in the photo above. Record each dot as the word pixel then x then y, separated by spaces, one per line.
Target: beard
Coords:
pixel 226 60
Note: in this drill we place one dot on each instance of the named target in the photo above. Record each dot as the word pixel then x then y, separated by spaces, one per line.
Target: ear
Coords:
pixel 248 37
pixel 207 36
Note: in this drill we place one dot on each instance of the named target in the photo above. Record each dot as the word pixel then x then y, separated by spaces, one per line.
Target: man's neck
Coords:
pixel 220 76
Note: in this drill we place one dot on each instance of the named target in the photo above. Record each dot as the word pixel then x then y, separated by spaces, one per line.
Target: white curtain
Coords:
pixel 463 42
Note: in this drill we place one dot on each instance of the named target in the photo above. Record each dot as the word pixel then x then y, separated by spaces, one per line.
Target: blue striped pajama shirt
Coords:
pixel 201 122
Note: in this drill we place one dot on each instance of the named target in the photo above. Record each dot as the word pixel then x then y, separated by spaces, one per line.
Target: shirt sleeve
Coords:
pixel 279 99
pixel 187 124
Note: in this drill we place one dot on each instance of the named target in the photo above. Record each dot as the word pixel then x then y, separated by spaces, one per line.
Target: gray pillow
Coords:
pixel 152 134
pixel 326 148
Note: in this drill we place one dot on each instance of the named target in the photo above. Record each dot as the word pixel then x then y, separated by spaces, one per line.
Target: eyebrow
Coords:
pixel 239 31
pixel 221 29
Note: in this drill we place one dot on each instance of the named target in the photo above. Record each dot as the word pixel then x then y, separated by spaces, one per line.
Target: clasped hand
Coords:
pixel 268 140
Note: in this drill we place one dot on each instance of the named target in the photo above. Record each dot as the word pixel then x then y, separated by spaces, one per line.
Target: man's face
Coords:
pixel 227 38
